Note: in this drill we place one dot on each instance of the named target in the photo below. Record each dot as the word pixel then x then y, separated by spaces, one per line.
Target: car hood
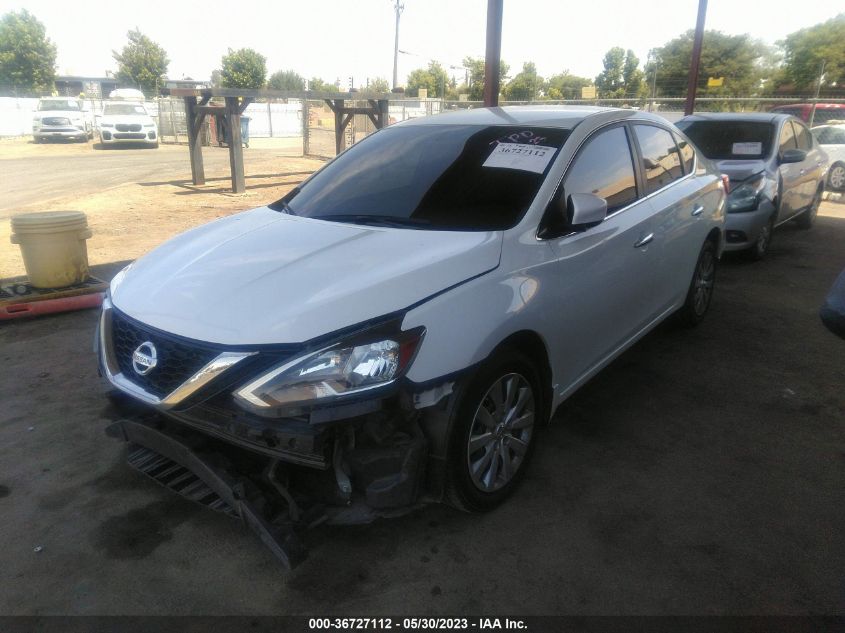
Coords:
pixel 69 114
pixel 738 170
pixel 126 118
pixel 264 277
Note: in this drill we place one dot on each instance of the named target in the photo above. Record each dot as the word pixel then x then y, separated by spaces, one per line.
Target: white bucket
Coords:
pixel 53 247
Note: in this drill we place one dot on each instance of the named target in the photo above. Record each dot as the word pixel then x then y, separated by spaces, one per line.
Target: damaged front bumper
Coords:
pixel 348 463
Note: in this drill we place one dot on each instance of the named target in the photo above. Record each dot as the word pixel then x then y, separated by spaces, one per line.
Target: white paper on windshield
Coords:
pixel 523 156
pixel 740 149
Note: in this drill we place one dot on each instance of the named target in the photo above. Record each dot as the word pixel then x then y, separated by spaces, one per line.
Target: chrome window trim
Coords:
pixel 208 372
pixel 623 122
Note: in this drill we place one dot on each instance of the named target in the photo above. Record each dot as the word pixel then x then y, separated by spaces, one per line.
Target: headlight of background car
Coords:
pixel 106 124
pixel 746 195
pixel 329 374
pixel 149 124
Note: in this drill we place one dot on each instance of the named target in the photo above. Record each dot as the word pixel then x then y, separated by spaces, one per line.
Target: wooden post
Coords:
pixel 194 141
pixel 493 56
pixel 338 126
pixel 384 113
pixel 692 82
pixel 236 150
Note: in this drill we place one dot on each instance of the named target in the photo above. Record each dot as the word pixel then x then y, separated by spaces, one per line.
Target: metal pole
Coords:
pixel 818 90
pixel 653 82
pixel 692 84
pixel 398 6
pixel 493 56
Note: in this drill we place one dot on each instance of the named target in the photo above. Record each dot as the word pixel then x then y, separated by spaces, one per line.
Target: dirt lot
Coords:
pixel 136 198
pixel 701 473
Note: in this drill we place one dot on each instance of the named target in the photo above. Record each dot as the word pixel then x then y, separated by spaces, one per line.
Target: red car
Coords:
pixel 824 111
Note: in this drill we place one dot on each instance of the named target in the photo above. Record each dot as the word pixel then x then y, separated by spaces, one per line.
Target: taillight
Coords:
pixel 726 183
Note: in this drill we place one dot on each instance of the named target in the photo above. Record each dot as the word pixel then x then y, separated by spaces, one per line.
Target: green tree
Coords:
pixel 377 86
pixel 433 79
pixel 286 80
pixel 475 65
pixel 27 56
pixel 805 50
pixel 526 85
pixel 565 86
pixel 621 76
pixel 738 58
pixel 315 84
pixel 243 68
pixel 141 63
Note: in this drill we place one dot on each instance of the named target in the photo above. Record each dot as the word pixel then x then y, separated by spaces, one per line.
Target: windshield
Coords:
pixel 58 104
pixel 445 177
pixel 830 135
pixel 740 140
pixel 121 109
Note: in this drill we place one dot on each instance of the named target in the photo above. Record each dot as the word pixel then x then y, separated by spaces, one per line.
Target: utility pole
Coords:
pixel 398 7
pixel 692 84
pixel 818 90
pixel 493 56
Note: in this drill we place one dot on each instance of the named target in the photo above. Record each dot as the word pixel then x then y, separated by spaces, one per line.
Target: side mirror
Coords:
pixel 793 156
pixel 585 209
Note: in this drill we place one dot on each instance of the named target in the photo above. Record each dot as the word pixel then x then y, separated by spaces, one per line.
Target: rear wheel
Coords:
pixel 806 219
pixel 836 177
pixel 493 432
pixel 700 291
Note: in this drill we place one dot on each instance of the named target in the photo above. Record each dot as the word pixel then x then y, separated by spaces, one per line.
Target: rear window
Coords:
pixel 741 140
pixel 446 177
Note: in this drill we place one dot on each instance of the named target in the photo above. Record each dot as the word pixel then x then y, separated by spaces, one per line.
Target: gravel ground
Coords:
pixel 701 473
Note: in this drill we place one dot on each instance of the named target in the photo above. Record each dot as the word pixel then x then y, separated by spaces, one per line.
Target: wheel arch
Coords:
pixel 531 344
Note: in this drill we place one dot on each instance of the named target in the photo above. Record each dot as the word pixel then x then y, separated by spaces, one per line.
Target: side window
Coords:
pixel 687 153
pixel 604 168
pixel 661 159
pixel 787 138
pixel 802 134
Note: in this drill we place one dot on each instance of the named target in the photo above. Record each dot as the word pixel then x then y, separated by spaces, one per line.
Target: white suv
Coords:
pixel 127 122
pixel 61 117
pixel 406 320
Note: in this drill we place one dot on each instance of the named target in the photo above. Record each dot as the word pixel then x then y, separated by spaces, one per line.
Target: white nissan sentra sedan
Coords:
pixel 399 327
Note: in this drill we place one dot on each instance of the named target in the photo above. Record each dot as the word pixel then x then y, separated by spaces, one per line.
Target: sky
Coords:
pixel 336 39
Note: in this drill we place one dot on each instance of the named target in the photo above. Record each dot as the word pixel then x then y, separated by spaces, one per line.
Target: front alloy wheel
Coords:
pixel 492 431
pixel 501 432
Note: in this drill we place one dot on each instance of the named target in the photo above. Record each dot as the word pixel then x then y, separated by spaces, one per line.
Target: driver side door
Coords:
pixel 602 276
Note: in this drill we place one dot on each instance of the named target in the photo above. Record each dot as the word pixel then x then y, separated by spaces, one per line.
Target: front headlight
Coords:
pixel 149 124
pixel 322 376
pixel 106 124
pixel 746 195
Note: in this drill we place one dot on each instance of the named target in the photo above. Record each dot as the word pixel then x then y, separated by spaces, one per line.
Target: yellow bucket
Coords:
pixel 53 247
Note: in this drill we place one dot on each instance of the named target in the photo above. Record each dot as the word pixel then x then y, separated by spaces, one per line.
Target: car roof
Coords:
pixel 761 117
pixel 565 117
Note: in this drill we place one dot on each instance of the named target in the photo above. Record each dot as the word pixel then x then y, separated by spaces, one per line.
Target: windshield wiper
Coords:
pixel 375 220
pixel 283 206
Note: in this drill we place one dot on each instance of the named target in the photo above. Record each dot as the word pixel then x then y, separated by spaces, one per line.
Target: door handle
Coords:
pixel 646 240
pixel 698 210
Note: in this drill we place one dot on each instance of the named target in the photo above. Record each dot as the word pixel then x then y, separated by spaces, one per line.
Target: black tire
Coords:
pixel 476 402
pixel 700 293
pixel 808 218
pixel 836 177
pixel 764 242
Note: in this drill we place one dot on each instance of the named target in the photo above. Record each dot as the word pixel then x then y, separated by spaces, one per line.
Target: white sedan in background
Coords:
pixel 831 137
pixel 127 122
